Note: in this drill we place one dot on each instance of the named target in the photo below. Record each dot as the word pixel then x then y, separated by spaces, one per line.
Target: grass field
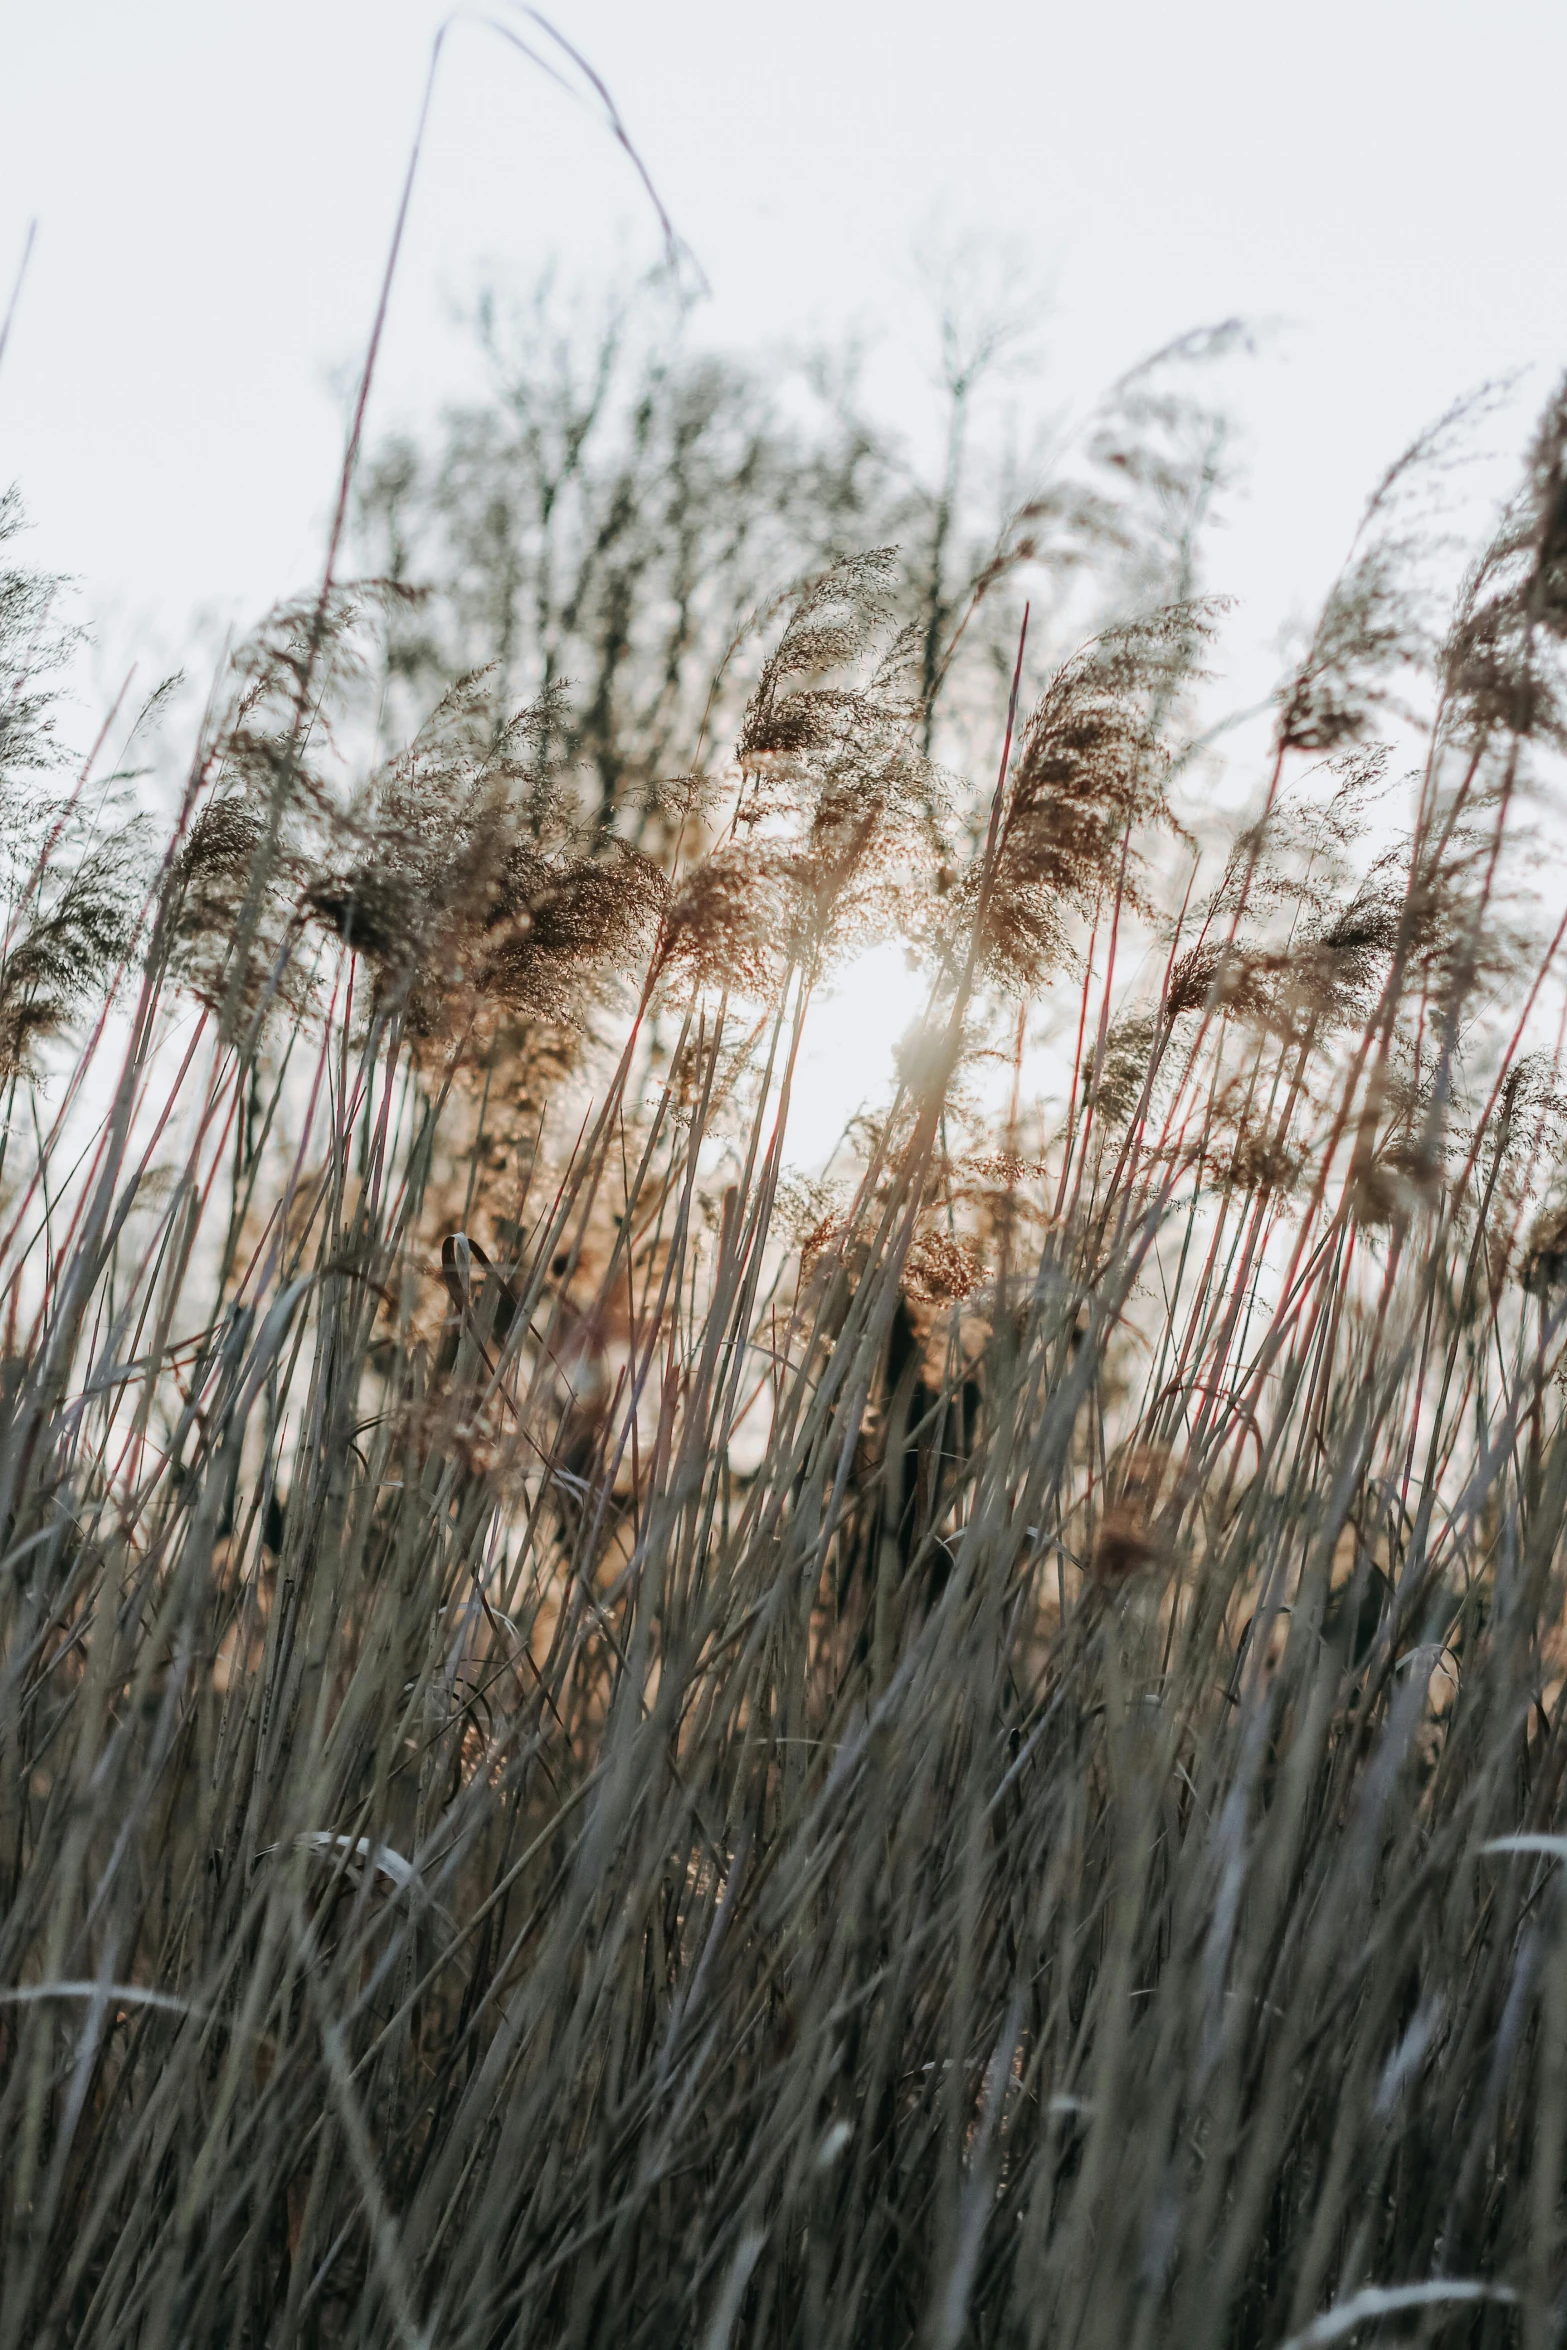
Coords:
pixel 601 1743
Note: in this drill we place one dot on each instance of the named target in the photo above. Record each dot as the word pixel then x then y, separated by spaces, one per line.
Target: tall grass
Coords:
pixel 599 1746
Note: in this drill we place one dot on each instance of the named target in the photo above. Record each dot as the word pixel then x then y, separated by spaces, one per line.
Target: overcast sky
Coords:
pixel 215 180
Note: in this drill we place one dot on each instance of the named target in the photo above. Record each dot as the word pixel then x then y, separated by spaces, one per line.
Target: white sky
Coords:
pixel 215 181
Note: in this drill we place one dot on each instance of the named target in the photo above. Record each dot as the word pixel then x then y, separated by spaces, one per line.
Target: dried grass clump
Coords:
pixel 1086 792
pixel 66 943
pixel 73 871
pixel 602 1741
pixel 449 884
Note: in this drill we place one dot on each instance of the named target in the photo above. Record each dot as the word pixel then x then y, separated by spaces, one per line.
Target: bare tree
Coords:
pixel 589 531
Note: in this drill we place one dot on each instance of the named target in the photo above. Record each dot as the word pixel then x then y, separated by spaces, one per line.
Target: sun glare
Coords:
pixel 848 1053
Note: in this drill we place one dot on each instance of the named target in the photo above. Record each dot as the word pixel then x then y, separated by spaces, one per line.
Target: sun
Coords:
pixel 848 1053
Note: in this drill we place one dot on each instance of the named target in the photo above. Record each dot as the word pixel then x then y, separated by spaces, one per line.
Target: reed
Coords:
pixel 599 1743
